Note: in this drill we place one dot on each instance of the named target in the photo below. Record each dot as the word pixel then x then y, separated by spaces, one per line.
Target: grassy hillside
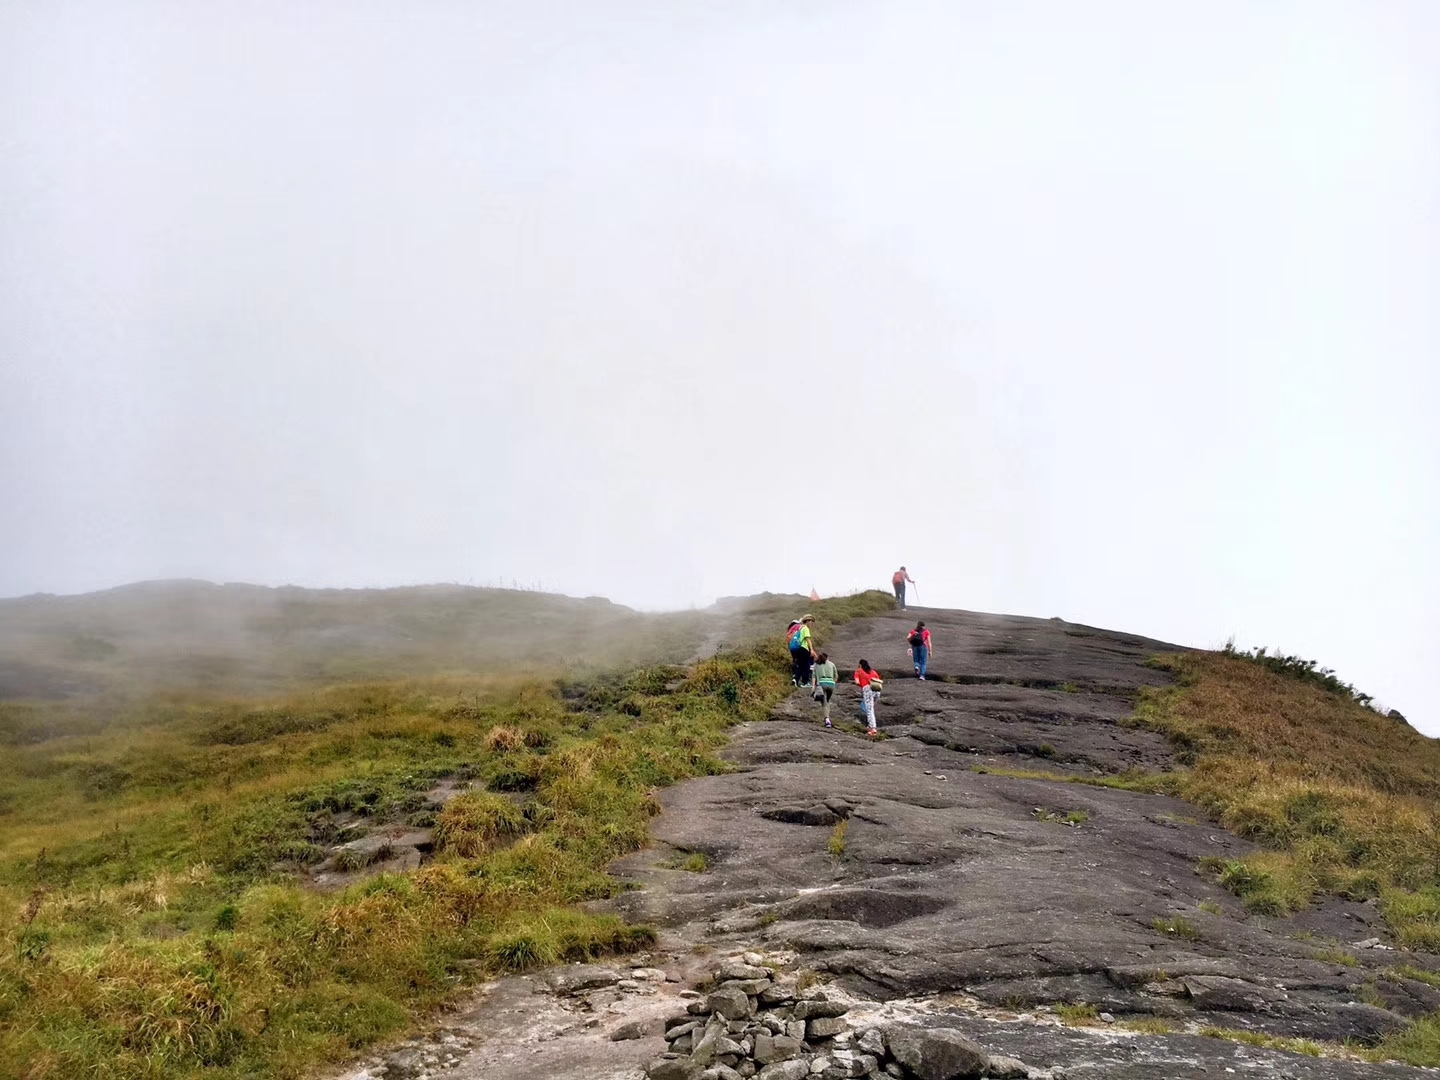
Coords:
pixel 244 639
pixel 1345 800
pixel 157 849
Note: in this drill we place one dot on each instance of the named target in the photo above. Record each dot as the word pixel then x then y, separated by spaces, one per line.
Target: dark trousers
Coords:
pixel 900 592
pixel 800 664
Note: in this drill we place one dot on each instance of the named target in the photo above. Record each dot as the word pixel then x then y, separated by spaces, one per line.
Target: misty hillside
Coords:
pixel 185 635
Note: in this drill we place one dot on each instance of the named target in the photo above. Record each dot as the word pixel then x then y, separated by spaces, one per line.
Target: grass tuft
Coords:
pixel 1177 926
pixel 1078 1015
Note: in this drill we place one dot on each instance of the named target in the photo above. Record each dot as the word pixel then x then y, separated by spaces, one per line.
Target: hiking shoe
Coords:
pixel 922 678
pixel 872 733
pixel 827 723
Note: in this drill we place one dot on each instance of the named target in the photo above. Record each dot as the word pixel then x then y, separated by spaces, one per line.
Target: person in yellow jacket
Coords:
pixel 801 640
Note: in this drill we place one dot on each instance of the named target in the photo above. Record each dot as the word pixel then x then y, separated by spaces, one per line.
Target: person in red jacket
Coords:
pixel 919 642
pixel 870 683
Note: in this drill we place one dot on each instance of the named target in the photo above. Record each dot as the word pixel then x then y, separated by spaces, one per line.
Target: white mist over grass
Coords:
pixel 1107 311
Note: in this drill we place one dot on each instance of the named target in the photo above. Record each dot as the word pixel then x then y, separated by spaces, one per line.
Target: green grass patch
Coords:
pixel 694 862
pixel 1418 1044
pixel 1268 1042
pixel 1335 955
pixel 836 844
pixel 1177 926
pixel 1078 1014
pixel 1130 780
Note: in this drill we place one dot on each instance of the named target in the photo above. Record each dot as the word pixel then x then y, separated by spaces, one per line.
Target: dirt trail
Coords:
pixel 988 897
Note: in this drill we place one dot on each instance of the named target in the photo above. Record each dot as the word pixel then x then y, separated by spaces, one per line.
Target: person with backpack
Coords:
pixel 919 642
pixel 825 677
pixel 898 579
pixel 802 650
pixel 870 685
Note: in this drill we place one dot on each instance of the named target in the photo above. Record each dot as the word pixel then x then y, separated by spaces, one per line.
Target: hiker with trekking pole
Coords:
pixel 898 579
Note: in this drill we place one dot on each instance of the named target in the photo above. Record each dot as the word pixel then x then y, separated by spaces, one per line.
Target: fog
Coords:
pixel 1122 312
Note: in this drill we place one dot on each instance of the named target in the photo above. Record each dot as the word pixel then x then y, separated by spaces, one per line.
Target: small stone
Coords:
pixel 738 969
pixel 697 1008
pixel 751 987
pixel 673 1068
pixel 772 1048
pixel 704 1052
pixel 731 1004
pixel 577 977
pixel 780 992
pixel 806 1010
pixel 1107 1018
pixel 794 1069
pixel 754 959
pixel 893 1069
pixel 872 1042
pixel 746 1069
pixel 1368 943
pixel 1007 1068
pixel 823 1027
pixel 689 995
pixel 683 1025
pixel 625 1032
pixel 720 1072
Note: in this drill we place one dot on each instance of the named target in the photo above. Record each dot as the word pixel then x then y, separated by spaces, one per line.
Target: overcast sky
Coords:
pixel 1123 312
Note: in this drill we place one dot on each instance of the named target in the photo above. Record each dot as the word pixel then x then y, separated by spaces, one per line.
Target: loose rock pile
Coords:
pixel 758 1023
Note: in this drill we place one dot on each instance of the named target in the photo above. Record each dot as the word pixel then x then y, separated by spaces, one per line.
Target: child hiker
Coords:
pixel 919 642
pixel 870 684
pixel 825 675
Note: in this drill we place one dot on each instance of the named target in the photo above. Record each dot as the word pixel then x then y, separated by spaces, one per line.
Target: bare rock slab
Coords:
pixel 936 1053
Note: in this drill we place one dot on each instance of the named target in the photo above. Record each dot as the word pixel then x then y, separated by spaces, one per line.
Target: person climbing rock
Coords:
pixel 919 642
pixel 899 579
pixel 870 685
pixel 825 676
pixel 802 650
pixel 792 642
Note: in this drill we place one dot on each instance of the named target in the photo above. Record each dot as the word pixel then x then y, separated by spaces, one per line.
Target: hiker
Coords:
pixel 870 685
pixel 898 580
pixel 825 676
pixel 802 650
pixel 919 642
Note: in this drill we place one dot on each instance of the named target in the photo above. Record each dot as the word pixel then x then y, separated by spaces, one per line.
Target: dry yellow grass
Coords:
pixel 1343 796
